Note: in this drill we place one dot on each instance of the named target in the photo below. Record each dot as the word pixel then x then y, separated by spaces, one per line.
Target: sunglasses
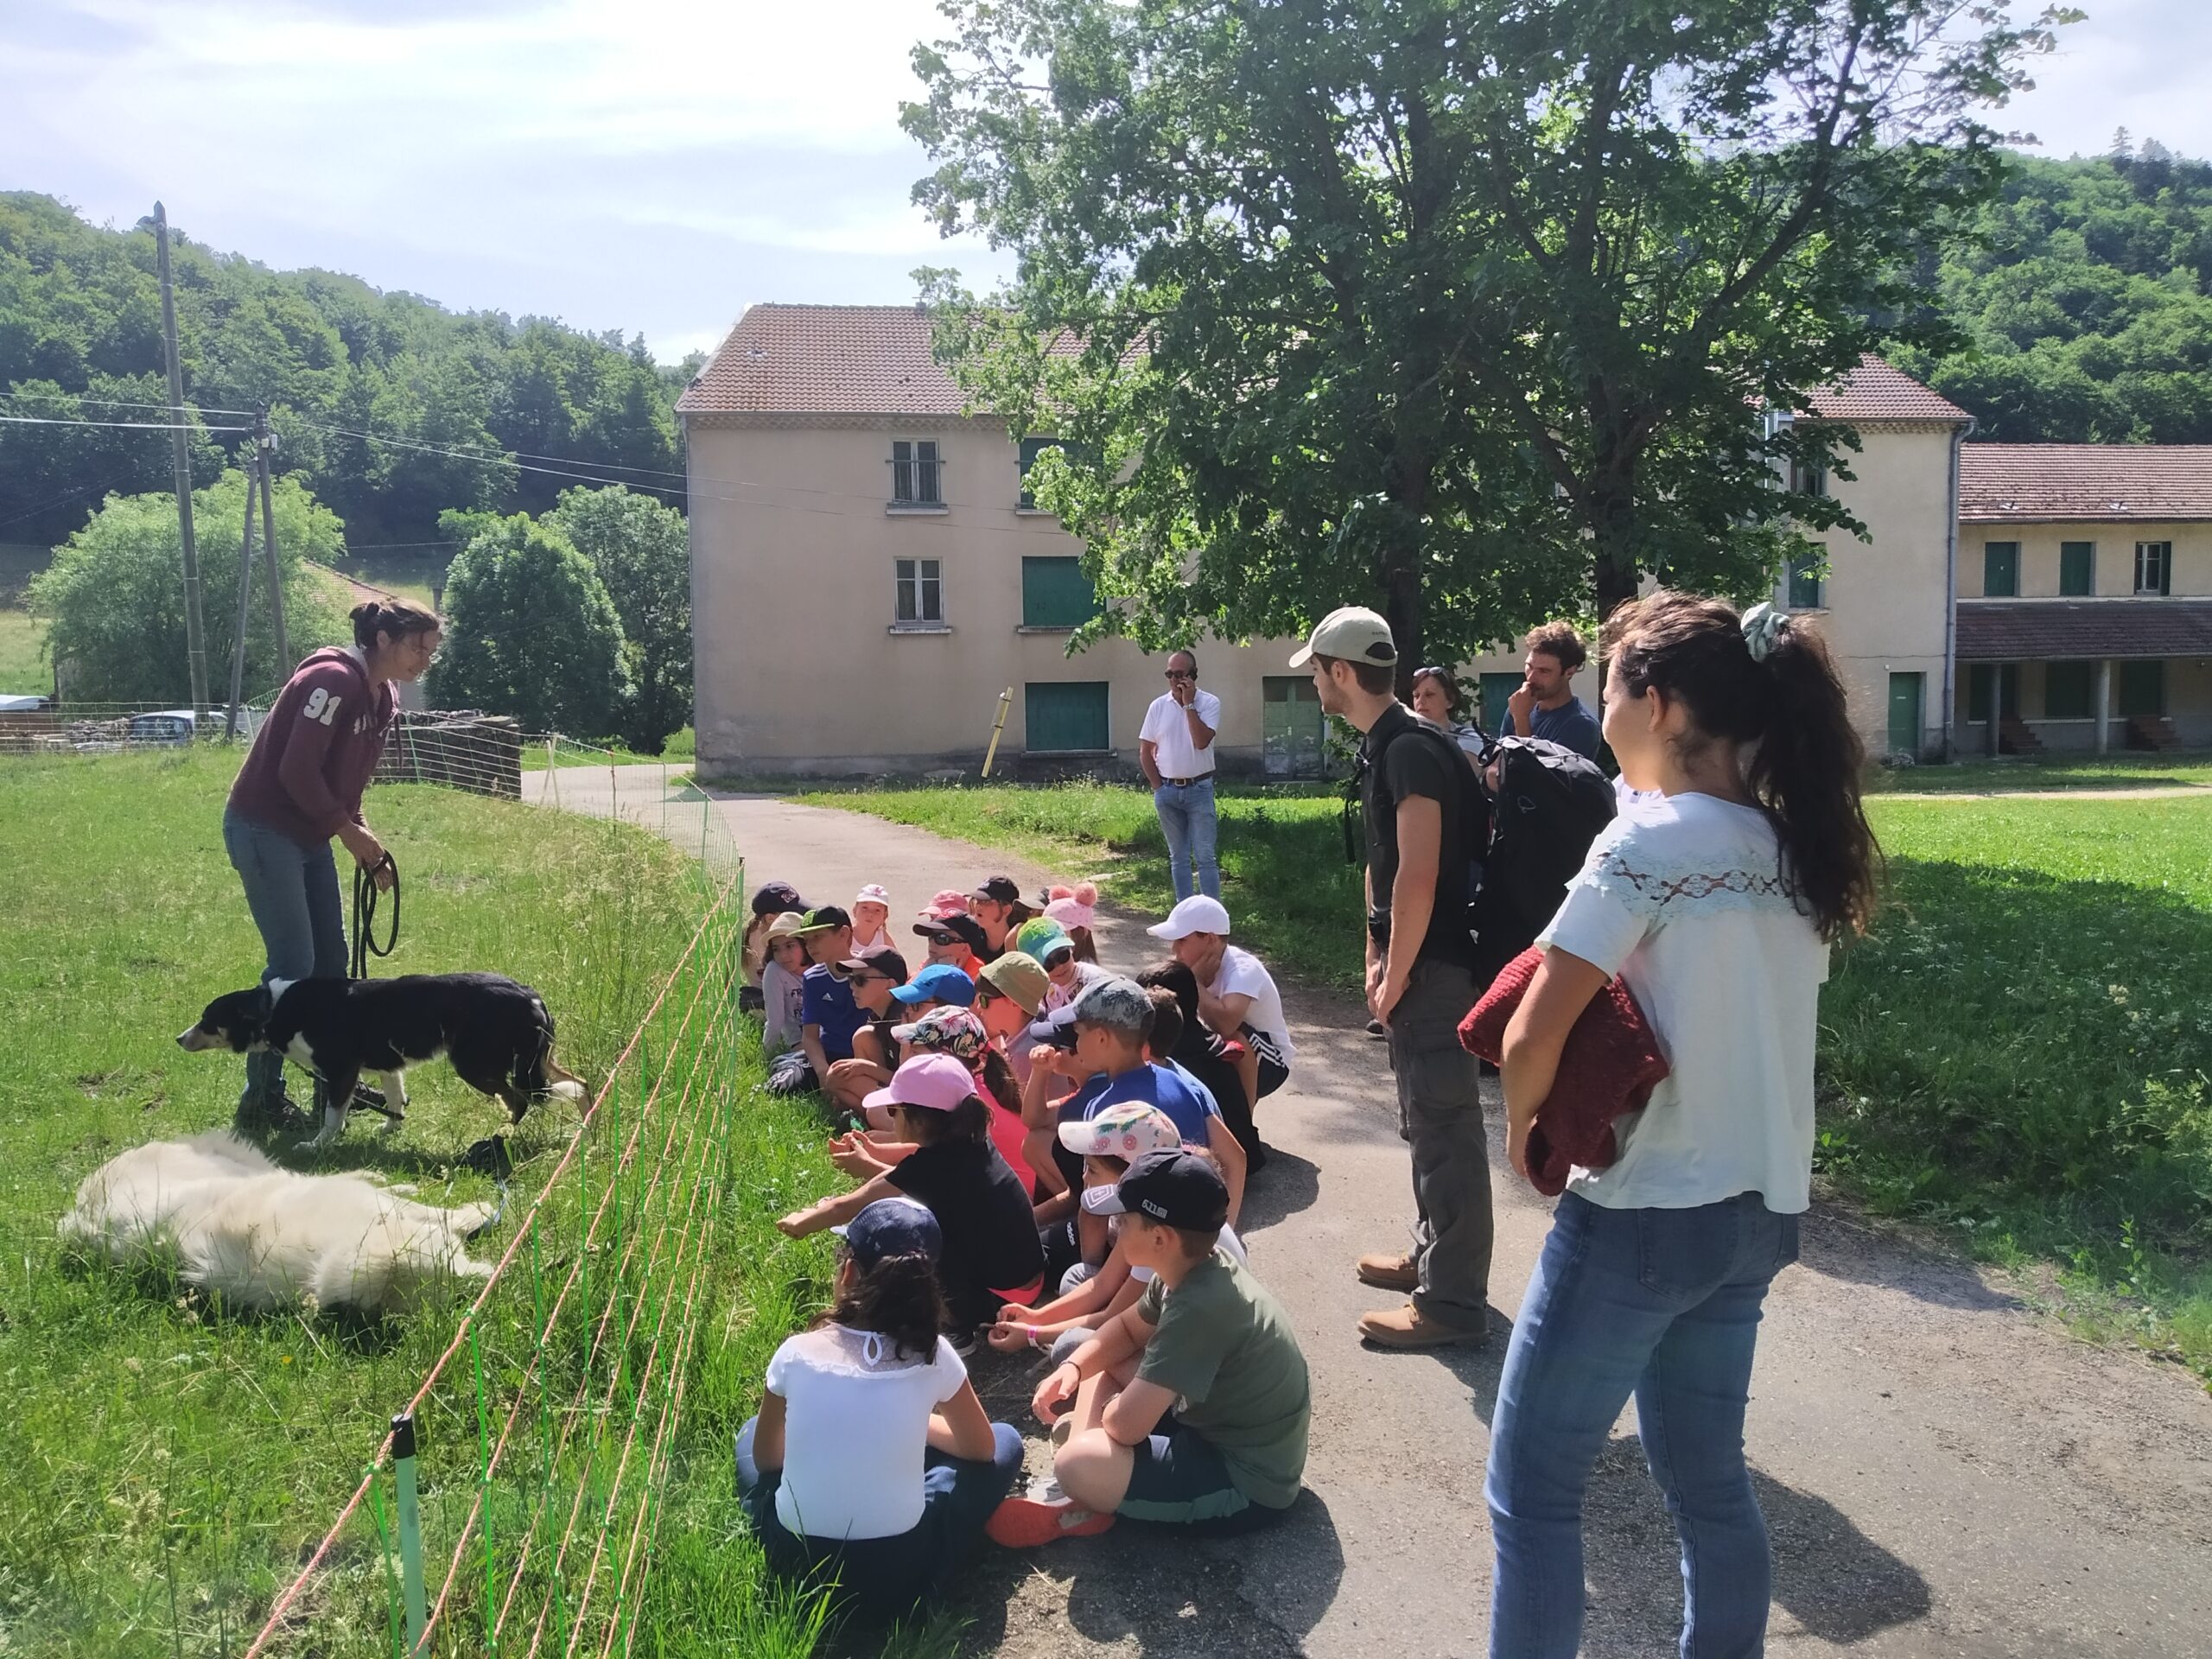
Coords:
pixel 864 976
pixel 1182 674
pixel 1059 958
pixel 944 938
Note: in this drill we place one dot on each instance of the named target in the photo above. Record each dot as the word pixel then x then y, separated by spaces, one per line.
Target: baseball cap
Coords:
pixel 938 983
pixel 1057 1028
pixel 1016 975
pixel 874 893
pixel 961 925
pixel 1196 915
pixel 892 1227
pixel 1128 1129
pixel 889 963
pixel 937 1083
pixel 776 897
pixel 956 1032
pixel 825 917
pixel 1118 1004
pixel 1170 1185
pixel 1039 936
pixel 1353 632
pixel 950 898
pixel 786 926
pixel 999 887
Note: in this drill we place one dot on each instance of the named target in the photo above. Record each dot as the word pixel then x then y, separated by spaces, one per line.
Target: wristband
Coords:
pixel 1030 1331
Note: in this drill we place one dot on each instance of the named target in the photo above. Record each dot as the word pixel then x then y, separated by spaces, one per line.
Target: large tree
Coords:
pixel 530 632
pixel 643 553
pixel 1472 311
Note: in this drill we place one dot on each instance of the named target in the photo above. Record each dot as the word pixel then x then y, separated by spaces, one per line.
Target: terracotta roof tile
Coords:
pixel 1999 482
pixel 825 360
pixel 1877 391
pixel 2015 630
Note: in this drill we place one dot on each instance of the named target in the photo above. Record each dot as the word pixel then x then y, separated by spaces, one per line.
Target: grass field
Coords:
pixel 2012 775
pixel 2020 1051
pixel 23 666
pixel 169 1465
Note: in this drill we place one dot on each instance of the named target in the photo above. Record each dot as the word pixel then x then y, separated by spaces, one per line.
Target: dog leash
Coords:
pixel 367 896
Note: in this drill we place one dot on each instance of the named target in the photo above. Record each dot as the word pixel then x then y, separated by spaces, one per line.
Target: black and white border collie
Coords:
pixel 495 1032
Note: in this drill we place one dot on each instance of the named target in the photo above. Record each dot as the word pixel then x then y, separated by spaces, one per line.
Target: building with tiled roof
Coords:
pixel 869 360
pixel 2029 483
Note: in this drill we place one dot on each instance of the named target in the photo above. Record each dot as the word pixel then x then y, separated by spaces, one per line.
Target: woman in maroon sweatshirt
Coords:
pixel 301 783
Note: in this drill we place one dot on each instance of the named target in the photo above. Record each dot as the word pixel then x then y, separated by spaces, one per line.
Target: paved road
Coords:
pixel 1944 1472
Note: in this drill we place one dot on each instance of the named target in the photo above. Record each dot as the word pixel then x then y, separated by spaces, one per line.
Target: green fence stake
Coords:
pixel 484 1489
pixel 409 1515
pixel 390 1573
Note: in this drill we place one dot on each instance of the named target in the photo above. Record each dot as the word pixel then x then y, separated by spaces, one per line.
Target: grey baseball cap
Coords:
pixel 1117 1004
pixel 1353 632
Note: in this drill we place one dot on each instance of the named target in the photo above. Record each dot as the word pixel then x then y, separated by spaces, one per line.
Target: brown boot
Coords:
pixel 1409 1327
pixel 1388 1272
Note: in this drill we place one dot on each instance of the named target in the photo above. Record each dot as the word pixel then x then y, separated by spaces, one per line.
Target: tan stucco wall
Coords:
pixel 797 666
pixel 2115 562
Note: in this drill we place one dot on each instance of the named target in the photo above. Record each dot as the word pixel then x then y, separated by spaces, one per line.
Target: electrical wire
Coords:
pixel 119 402
pixel 128 426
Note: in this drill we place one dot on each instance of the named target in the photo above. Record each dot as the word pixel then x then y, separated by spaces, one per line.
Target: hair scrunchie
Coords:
pixel 1763 625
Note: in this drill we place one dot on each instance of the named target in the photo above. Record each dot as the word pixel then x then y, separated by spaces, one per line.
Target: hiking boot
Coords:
pixel 266 1114
pixel 1374 1029
pixel 1029 1518
pixel 1390 1272
pixel 1409 1327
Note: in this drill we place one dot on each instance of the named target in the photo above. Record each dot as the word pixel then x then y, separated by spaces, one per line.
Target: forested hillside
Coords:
pixel 2090 307
pixel 366 389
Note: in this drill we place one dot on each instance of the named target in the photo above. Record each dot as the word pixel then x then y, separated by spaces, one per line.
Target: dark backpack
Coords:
pixel 1551 802
pixel 1474 800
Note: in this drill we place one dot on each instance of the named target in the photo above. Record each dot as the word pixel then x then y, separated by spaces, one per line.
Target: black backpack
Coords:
pixel 1474 800
pixel 1550 805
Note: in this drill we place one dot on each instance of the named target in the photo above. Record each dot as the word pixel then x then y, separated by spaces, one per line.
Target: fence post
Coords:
pixel 411 1529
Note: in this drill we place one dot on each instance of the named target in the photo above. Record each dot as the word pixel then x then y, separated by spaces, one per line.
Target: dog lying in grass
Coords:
pixel 495 1032
pixel 259 1237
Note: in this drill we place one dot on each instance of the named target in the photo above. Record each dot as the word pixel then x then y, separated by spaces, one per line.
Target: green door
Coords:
pixel 1065 716
pixel 2142 690
pixel 1291 726
pixel 1905 726
pixel 1496 688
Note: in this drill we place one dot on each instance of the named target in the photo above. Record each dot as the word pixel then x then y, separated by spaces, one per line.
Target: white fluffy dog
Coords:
pixel 260 1236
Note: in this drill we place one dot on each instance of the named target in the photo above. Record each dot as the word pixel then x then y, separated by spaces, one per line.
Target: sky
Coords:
pixel 650 166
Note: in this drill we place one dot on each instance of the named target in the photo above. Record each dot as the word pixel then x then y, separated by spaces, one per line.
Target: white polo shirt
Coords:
pixel 1165 725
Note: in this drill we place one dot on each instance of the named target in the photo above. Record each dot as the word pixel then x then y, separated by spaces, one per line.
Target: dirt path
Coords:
pixel 1944 1473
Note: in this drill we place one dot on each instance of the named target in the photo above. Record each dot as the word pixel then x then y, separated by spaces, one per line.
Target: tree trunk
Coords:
pixel 1613 572
pixel 1401 608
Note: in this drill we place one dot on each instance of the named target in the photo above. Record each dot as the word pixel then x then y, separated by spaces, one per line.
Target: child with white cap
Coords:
pixel 871 919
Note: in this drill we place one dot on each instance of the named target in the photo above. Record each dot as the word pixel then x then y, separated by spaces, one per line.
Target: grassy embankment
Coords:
pixel 2020 1052
pixel 170 1463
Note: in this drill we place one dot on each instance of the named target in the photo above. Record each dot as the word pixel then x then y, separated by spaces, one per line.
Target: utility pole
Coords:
pixel 264 450
pixel 245 604
pixel 195 641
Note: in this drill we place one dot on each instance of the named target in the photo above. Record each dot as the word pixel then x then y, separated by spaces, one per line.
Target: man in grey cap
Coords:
pixel 1416 794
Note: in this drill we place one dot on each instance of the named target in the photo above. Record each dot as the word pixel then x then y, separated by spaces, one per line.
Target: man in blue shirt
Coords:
pixel 1546 705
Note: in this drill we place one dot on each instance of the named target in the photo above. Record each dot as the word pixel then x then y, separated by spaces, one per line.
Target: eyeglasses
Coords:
pixel 863 975
pixel 1182 674
pixel 944 938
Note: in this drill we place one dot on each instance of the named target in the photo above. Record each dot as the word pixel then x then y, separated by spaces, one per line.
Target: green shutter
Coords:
pixel 2077 568
pixel 1805 583
pixel 1055 593
pixel 1496 688
pixel 2142 690
pixel 2000 569
pixel 2069 691
pixel 1064 714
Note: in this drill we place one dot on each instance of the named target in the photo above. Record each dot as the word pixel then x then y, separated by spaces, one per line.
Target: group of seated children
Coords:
pixel 1034 1163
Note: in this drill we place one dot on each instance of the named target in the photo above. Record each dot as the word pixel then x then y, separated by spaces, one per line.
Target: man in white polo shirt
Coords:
pixel 1175 748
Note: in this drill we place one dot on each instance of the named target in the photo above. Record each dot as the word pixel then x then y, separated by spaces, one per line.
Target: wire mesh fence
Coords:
pixel 512 1510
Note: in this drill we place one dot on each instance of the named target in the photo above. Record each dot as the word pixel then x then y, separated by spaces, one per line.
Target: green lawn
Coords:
pixel 169 1464
pixel 2020 1051
pixel 609 752
pixel 23 666
pixel 2012 775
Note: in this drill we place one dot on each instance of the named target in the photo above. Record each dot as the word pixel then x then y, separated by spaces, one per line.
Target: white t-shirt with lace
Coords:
pixel 857 1424
pixel 1683 900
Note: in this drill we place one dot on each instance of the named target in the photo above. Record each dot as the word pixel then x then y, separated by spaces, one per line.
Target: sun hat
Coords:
pixel 956 1032
pixel 1039 936
pixel 1128 1129
pixel 824 918
pixel 1017 976
pixel 935 1082
pixel 1196 915
pixel 874 893
pixel 938 983
pixel 893 1227
pixel 1116 1003
pixel 786 926
pixel 1170 1185
pixel 1352 632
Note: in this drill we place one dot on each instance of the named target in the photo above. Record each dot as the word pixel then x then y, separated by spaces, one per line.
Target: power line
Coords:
pixel 128 426
pixel 120 402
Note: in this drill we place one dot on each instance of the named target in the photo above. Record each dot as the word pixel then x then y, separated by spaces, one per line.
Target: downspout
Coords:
pixel 1959 436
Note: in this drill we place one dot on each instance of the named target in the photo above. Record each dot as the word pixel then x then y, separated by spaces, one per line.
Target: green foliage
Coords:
pixel 1468 312
pixel 2086 298
pixel 80 317
pixel 531 633
pixel 114 596
pixel 643 553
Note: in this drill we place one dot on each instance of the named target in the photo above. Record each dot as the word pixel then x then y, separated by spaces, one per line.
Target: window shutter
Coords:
pixel 1064 716
pixel 1055 593
pixel 2077 568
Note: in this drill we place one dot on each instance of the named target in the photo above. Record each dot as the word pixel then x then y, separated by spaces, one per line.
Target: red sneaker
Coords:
pixel 1025 1520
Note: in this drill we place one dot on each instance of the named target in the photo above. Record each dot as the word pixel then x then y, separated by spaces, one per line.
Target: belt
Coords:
pixel 1185 783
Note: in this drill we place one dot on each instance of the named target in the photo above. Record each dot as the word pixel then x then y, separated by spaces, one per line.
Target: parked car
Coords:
pixel 166 728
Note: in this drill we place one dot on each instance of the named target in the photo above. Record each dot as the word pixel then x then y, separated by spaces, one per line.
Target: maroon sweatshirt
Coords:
pixel 312 756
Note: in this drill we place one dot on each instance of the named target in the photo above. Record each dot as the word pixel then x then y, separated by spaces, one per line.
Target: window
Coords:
pixel 1808 591
pixel 915 472
pixel 1055 593
pixel 1291 726
pixel 1494 690
pixel 1982 678
pixel 1031 448
pixel 2000 569
pixel 2069 690
pixel 1064 716
pixel 1807 480
pixel 2154 568
pixel 2077 568
pixel 921 593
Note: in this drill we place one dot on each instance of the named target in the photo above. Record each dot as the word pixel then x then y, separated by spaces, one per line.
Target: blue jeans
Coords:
pixel 292 892
pixel 1186 818
pixel 884 1578
pixel 1663 1304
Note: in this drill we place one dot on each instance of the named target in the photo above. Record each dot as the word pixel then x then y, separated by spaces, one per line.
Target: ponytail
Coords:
pixel 897 1297
pixel 397 617
pixel 1787 708
pixel 998 1077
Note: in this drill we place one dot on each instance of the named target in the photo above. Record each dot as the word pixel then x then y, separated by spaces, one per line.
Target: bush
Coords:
pixel 114 593
pixel 531 633
pixel 642 552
